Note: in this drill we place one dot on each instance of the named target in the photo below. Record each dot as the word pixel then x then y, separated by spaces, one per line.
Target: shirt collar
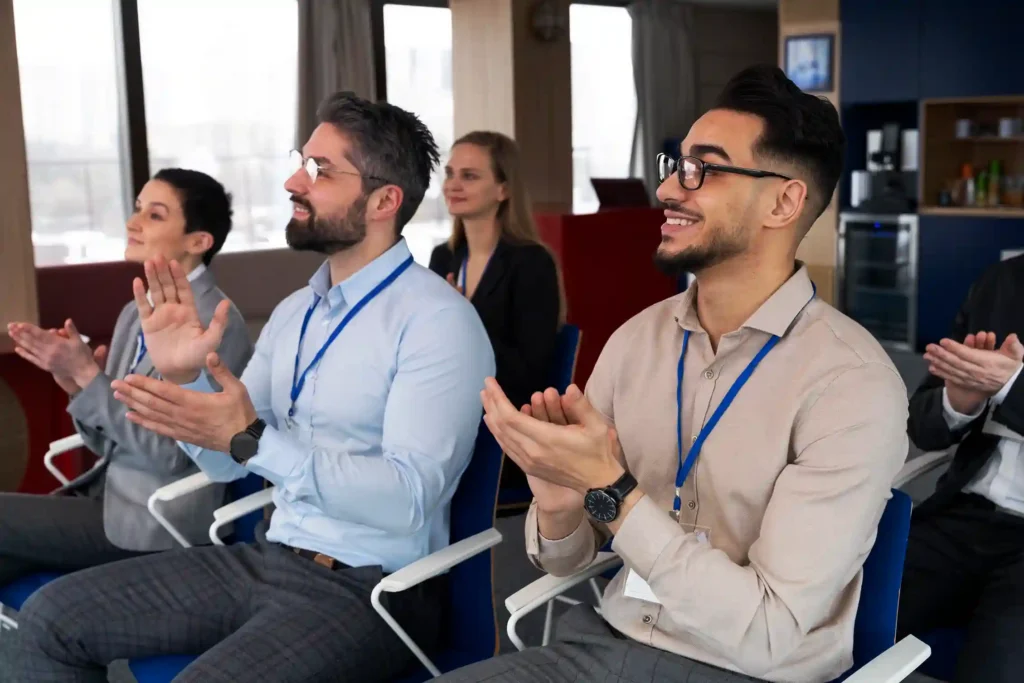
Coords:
pixel 359 284
pixel 775 316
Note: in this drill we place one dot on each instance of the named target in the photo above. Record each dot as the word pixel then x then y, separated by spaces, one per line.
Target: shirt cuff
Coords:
pixel 560 555
pixel 1005 391
pixel 278 458
pixel 954 419
pixel 644 534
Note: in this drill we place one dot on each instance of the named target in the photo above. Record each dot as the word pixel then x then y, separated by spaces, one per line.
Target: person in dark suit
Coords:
pixel 101 516
pixel 965 561
pixel 495 258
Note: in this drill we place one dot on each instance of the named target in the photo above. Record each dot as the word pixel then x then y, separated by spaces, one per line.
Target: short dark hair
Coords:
pixel 205 203
pixel 799 128
pixel 389 146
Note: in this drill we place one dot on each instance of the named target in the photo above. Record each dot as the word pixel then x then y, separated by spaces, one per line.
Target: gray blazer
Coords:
pixel 135 462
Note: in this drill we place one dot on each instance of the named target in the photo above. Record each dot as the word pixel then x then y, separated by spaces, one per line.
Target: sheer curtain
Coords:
pixel 335 53
pixel 665 71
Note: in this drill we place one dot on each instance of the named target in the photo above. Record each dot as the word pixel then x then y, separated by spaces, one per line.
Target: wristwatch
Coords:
pixel 603 504
pixel 245 444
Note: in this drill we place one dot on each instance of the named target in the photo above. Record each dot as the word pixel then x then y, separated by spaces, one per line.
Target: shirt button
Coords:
pixel 709 374
pixel 693 439
pixel 692 505
pixel 326 322
pixel 648 619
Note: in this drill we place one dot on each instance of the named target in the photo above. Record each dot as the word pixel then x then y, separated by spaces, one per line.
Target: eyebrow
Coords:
pixel 323 161
pixel 153 204
pixel 700 150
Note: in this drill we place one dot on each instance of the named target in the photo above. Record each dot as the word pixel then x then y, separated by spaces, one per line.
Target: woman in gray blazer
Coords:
pixel 101 516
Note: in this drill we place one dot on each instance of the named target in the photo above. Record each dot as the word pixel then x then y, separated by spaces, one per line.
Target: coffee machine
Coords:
pixel 889 184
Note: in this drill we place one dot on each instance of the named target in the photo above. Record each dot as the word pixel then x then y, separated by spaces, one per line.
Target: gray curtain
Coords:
pixel 335 53
pixel 665 71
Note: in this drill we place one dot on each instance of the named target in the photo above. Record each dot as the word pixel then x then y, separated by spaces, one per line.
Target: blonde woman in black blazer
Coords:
pixel 496 259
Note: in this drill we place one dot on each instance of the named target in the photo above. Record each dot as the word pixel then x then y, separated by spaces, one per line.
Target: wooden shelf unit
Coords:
pixel 943 154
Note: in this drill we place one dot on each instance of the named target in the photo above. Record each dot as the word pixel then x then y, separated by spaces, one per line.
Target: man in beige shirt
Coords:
pixel 751 570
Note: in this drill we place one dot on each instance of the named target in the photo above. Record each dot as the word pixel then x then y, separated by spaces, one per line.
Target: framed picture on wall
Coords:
pixel 809 61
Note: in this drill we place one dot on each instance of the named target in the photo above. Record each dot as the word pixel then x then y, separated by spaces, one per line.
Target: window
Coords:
pixel 418 44
pixel 603 98
pixel 220 82
pixel 71 109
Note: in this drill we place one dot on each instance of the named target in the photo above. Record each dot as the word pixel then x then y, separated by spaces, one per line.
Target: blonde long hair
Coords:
pixel 515 215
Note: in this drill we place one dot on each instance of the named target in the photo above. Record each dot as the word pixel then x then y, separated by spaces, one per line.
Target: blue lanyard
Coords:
pixel 299 380
pixel 465 267
pixel 139 354
pixel 709 426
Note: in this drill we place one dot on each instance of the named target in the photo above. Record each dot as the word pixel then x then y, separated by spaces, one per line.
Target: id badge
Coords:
pixel 638 589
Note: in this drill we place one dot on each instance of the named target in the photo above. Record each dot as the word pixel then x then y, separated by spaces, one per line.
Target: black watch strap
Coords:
pixel 246 443
pixel 256 428
pixel 622 487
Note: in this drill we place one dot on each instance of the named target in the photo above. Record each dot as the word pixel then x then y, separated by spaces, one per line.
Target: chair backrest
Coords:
pixel 243 529
pixel 567 350
pixel 471 626
pixel 874 631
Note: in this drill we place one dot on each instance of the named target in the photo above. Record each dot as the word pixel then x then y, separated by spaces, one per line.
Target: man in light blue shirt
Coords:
pixel 360 405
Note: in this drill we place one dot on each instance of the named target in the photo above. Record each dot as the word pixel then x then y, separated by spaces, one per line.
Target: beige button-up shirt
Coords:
pixel 787 490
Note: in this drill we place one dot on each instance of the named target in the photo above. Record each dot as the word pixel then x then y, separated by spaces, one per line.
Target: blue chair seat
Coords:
pixel 946 644
pixel 160 669
pixel 17 592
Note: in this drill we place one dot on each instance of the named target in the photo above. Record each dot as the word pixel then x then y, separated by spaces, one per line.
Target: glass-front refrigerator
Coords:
pixel 876 275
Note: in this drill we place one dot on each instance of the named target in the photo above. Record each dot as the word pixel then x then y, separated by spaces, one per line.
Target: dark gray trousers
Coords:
pixel 53 533
pixel 256 612
pixel 588 650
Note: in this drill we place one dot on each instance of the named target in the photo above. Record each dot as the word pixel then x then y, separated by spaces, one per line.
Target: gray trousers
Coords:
pixel 255 612
pixel 53 533
pixel 588 650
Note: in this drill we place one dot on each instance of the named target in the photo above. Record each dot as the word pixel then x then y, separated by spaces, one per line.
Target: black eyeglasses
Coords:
pixel 691 171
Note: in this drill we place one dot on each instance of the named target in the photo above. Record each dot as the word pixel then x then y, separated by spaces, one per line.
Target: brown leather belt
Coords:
pixel 319 558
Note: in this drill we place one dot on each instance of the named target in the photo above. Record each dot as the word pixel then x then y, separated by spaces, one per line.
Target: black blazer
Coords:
pixel 995 303
pixel 518 301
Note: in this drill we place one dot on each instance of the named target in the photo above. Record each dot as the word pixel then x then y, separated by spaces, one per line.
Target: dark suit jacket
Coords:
pixel 518 301
pixel 995 303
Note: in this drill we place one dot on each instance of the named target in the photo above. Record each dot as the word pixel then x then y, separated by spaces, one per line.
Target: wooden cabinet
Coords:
pixel 946 151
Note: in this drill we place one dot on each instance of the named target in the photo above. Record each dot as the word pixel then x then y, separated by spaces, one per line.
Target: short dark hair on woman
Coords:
pixel 205 203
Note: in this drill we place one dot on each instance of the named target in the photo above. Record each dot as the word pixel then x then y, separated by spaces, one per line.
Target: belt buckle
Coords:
pixel 324 560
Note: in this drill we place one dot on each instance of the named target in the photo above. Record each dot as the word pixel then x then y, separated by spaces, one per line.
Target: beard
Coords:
pixel 327 235
pixel 725 243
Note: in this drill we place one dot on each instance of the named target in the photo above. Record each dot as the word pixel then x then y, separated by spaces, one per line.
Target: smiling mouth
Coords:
pixel 681 221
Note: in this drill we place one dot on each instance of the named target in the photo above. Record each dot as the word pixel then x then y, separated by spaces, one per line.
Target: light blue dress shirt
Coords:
pixel 384 426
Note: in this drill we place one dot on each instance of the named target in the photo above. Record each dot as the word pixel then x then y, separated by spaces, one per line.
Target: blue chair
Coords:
pixel 946 643
pixel 14 594
pixel 567 351
pixel 876 655
pixel 469 631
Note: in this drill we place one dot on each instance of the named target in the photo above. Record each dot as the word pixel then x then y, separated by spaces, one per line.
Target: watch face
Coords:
pixel 243 446
pixel 601 506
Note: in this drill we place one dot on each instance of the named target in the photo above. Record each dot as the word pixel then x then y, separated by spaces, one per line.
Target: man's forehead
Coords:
pixel 327 144
pixel 734 133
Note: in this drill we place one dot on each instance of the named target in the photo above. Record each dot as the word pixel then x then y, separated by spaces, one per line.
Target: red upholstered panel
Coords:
pixel 92 295
pixel 609 275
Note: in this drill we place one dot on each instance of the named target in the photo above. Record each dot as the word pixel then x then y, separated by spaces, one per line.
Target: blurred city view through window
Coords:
pixel 219 81
pixel 219 99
